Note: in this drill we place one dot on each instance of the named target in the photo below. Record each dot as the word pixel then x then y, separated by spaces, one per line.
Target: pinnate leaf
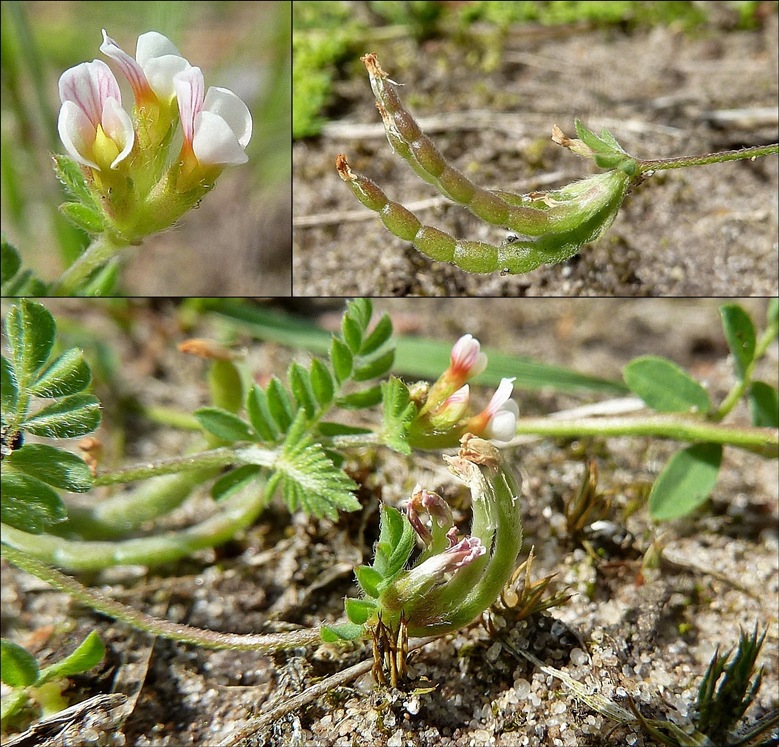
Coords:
pixel 396 541
pixel 260 415
pixel 309 479
pixel 342 360
pixel 359 611
pixel 399 413
pixel 233 481
pixel 764 405
pixel 342 632
pixel 280 405
pixel 302 389
pixel 9 389
pixel 381 333
pixel 322 382
pixel 9 261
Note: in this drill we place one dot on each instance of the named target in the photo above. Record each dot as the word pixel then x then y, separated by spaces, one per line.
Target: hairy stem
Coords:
pixel 221 457
pixel 95 255
pixel 164 628
pixel 682 162
pixel 763 441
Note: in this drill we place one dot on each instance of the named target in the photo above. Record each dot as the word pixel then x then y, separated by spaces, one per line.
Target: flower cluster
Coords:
pixel 141 182
pixel 444 408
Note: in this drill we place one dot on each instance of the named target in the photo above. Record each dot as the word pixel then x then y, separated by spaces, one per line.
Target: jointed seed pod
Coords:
pixel 550 226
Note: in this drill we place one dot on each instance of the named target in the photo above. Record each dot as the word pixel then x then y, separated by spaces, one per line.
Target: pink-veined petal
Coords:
pixel 119 127
pixel 189 86
pixel 76 132
pixel 88 85
pixel 467 360
pixel 215 142
pixel 129 67
pixel 228 106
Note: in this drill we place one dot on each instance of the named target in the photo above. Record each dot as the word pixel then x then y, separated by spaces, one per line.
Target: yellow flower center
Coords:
pixel 104 149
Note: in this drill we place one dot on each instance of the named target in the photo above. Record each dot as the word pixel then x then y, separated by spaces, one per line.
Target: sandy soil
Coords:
pixel 626 630
pixel 703 232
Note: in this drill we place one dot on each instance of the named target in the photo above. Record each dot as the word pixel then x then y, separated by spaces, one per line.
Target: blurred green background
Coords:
pixel 238 241
pixel 332 32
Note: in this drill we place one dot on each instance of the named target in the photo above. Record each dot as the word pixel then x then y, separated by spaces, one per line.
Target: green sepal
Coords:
pixel 342 632
pixel 359 611
pixel 89 653
pixel 18 666
pixel 72 178
pixel 84 217
pixel 369 580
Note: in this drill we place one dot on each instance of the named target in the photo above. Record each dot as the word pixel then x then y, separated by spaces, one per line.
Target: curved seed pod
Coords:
pixel 450 589
pixel 590 207
pixel 527 215
pixel 411 144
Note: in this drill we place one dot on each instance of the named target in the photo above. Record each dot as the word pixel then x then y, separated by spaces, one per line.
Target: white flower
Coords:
pixel 92 124
pixel 502 412
pixel 217 127
pixel 156 63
